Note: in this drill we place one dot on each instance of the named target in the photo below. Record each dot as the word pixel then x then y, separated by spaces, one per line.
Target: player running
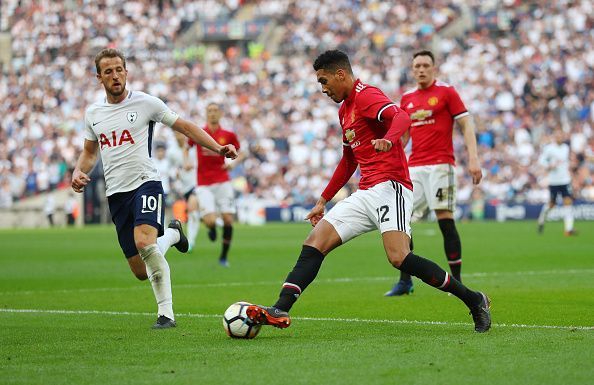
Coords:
pixel 434 107
pixel 121 127
pixel 215 192
pixel 372 126
pixel 555 159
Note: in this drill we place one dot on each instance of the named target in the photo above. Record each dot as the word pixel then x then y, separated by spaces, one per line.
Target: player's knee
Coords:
pixel 141 243
pixel 396 257
pixel 141 275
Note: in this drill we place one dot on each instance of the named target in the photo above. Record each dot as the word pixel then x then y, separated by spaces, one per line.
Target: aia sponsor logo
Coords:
pixel 116 139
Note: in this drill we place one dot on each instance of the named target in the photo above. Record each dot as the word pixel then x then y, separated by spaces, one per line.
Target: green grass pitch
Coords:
pixel 71 312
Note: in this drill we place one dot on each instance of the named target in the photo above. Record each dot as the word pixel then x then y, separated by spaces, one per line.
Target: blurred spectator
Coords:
pixel 523 67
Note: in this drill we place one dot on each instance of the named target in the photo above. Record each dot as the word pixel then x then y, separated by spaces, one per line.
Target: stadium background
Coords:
pixel 523 69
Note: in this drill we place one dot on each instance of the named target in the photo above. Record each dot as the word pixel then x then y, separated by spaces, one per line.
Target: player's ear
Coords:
pixel 340 74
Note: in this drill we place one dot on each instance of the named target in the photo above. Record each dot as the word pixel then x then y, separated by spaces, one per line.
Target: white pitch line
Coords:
pixel 323 280
pixel 322 319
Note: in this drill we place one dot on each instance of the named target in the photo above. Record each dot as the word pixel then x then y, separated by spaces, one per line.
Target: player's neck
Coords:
pixel 113 99
pixel 424 86
pixel 212 127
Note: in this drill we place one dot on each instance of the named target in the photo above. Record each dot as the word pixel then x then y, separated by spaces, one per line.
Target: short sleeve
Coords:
pixel 161 113
pixel 455 105
pixel 371 102
pixel 235 141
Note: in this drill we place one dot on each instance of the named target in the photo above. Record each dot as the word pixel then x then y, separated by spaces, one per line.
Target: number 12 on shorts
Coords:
pixel 382 213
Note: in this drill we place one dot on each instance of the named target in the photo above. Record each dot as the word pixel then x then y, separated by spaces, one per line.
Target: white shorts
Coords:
pixel 216 198
pixel 434 188
pixel 387 206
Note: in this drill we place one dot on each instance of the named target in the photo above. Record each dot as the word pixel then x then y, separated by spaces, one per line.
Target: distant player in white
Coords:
pixel 555 158
pixel 121 127
pixel 187 182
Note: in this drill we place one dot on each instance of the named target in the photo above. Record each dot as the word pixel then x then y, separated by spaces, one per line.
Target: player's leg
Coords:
pixel 148 219
pixel 206 201
pixel 420 177
pixel 320 242
pixel 542 217
pixel 568 210
pixel 193 218
pixel 395 235
pixel 344 221
pixel 451 241
pixel 443 202
pixel 227 236
pixel 225 203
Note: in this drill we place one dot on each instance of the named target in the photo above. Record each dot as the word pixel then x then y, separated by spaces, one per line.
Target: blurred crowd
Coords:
pixel 523 70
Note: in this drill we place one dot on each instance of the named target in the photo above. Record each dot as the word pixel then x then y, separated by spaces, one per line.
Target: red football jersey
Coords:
pixel 432 111
pixel 211 165
pixel 359 116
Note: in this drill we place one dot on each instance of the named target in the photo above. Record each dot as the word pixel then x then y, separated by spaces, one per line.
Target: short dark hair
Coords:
pixel 108 52
pixel 332 61
pixel 425 52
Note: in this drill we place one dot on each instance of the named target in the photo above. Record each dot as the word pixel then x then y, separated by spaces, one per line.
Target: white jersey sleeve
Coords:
pixel 160 113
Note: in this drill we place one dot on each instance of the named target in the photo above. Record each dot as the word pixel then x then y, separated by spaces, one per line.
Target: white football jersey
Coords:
pixel 125 134
pixel 556 156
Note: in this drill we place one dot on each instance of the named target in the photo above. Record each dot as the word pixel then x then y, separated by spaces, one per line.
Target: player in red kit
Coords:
pixel 215 192
pixel 372 126
pixel 433 107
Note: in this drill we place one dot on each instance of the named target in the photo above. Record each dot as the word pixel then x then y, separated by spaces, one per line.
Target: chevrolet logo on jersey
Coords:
pixel 131 116
pixel 350 135
pixel 421 114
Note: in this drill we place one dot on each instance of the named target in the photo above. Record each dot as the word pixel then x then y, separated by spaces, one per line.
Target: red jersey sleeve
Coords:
pixel 234 141
pixel 191 143
pixel 455 105
pixel 371 102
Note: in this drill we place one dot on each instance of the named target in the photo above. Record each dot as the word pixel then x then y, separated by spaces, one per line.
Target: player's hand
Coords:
pixel 316 213
pixel 381 145
pixel 475 171
pixel 228 151
pixel 79 180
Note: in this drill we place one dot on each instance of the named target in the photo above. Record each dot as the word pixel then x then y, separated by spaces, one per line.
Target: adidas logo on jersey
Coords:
pixel 410 105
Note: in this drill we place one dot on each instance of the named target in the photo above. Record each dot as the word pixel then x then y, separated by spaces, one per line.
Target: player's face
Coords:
pixel 113 75
pixel 213 114
pixel 423 70
pixel 333 84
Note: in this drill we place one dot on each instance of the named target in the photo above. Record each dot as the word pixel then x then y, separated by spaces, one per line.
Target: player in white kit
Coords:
pixel 121 127
pixel 555 158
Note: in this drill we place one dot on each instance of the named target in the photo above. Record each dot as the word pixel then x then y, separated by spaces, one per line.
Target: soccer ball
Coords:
pixel 236 322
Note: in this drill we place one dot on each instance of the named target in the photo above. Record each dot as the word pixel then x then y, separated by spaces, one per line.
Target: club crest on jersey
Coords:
pixel 421 114
pixel 433 101
pixel 350 135
pixel 131 116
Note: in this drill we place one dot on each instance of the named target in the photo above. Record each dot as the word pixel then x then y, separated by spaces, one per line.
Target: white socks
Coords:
pixel 168 239
pixel 193 227
pixel 568 218
pixel 543 214
pixel 157 270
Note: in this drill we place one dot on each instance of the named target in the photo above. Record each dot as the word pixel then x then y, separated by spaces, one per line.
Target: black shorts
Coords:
pixel 143 206
pixel 190 192
pixel 564 190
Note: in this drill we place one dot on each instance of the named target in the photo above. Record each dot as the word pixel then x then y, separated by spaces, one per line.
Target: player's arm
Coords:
pixel 474 168
pixel 84 165
pixel 345 169
pixel 398 122
pixel 200 137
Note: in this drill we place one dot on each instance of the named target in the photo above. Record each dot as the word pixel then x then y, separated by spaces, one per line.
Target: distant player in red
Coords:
pixel 372 126
pixel 433 107
pixel 215 192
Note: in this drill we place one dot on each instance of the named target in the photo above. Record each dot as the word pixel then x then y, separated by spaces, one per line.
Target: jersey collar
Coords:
pixel 353 90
